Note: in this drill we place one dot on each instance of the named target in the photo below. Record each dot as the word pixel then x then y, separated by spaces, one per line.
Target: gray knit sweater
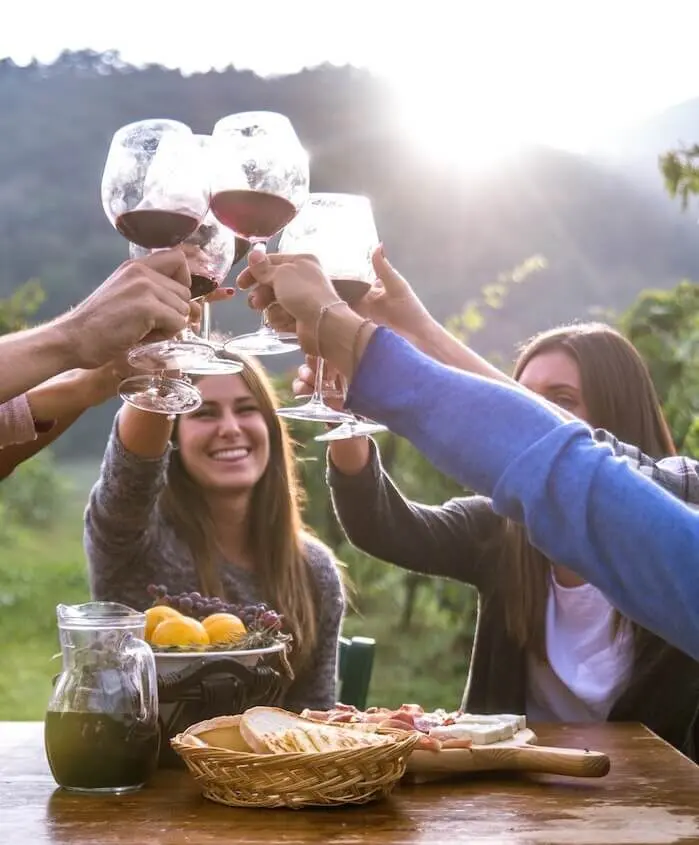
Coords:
pixel 129 545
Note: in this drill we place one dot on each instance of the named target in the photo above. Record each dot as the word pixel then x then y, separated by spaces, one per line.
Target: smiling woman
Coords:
pixel 212 505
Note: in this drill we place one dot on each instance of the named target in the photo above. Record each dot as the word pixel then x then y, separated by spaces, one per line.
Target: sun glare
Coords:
pixel 481 93
pixel 470 125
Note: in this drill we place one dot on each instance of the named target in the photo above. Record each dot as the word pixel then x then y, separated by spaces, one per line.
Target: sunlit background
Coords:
pixel 510 151
pixel 472 80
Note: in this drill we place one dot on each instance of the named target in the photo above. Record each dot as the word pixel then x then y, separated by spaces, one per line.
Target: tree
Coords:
pixel 681 173
pixel 664 327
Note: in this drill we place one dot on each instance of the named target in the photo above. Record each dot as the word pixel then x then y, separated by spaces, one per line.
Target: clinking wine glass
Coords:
pixel 260 200
pixel 210 252
pixel 222 363
pixel 155 192
pixel 339 229
pixel 223 250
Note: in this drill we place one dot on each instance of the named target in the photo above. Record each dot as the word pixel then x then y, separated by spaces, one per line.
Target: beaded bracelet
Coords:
pixel 321 314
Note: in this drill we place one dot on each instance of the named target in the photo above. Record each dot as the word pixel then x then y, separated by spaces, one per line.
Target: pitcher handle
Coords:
pixel 148 681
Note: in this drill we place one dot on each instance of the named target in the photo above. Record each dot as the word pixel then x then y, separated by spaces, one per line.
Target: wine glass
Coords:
pixel 221 363
pixel 339 229
pixel 210 251
pixel 155 192
pixel 259 201
pixel 356 427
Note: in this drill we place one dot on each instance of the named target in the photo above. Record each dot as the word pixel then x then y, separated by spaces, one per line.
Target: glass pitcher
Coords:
pixel 101 731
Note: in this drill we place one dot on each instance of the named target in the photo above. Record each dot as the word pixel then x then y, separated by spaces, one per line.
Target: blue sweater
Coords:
pixel 581 505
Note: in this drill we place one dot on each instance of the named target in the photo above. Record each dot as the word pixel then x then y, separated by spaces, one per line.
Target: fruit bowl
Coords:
pixel 188 629
pixel 177 659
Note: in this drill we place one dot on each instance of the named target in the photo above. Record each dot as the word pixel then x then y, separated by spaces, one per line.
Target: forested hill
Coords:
pixel 604 236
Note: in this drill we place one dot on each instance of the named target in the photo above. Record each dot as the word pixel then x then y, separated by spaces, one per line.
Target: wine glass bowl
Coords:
pixel 154 188
pixel 259 198
pixel 260 180
pixel 339 229
pixel 155 191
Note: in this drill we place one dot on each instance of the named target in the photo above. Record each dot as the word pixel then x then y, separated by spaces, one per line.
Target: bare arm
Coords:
pixel 143 433
pixel 33 356
pixel 434 340
pixel 139 298
pixel 62 399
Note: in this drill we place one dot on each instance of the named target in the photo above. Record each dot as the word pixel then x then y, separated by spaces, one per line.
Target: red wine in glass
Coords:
pixel 202 285
pixel 254 215
pixel 154 228
pixel 242 248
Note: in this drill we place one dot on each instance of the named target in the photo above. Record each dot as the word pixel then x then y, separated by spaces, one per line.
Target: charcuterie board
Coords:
pixel 516 754
pixel 458 743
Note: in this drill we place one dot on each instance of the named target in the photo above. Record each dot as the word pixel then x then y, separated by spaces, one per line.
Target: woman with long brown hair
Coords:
pixel 547 644
pixel 211 504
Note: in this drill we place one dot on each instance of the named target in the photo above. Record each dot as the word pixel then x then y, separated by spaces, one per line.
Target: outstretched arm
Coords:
pixel 581 505
pixel 52 407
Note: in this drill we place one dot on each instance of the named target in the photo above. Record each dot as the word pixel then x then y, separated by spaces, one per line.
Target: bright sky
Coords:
pixel 479 76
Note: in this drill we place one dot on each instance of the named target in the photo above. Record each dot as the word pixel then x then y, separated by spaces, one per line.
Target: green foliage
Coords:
pixel 492 297
pixel 31 496
pixel 16 309
pixel 681 173
pixel 37 570
pixel 664 327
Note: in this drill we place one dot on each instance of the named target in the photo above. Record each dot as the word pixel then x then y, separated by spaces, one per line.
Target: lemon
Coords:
pixel 180 631
pixel 224 628
pixel 155 615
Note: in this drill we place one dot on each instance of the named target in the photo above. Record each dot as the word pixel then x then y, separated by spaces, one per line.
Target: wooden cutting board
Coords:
pixel 519 754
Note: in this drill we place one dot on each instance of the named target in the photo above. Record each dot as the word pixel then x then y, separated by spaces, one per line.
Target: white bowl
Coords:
pixel 174 661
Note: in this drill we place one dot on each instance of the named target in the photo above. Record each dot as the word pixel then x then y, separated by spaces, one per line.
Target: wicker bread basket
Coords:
pixel 301 779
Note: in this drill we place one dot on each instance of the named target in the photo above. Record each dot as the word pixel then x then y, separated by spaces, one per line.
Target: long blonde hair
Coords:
pixel 274 524
pixel 620 397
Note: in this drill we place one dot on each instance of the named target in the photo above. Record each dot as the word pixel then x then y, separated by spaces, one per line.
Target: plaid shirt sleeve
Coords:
pixel 678 475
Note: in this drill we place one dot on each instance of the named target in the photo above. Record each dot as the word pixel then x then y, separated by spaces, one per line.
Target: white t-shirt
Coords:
pixel 587 666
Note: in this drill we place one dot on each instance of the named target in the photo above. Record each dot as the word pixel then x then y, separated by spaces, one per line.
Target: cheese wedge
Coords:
pixel 480 729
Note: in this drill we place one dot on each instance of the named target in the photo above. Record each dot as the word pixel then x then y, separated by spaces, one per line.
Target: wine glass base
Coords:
pixel 264 343
pixel 352 429
pixel 170 355
pixel 215 367
pixel 315 411
pixel 160 395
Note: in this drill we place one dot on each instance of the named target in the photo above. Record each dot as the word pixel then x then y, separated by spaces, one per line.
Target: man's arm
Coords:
pixel 143 298
pixel 33 356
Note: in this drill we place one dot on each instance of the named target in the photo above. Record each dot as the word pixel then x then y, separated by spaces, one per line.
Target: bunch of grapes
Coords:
pixel 256 617
pixel 260 617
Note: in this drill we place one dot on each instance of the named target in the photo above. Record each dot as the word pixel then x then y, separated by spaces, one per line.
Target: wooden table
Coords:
pixel 651 796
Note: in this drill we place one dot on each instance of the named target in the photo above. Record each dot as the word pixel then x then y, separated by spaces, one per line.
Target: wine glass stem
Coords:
pixel 261 246
pixel 205 330
pixel 318 383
